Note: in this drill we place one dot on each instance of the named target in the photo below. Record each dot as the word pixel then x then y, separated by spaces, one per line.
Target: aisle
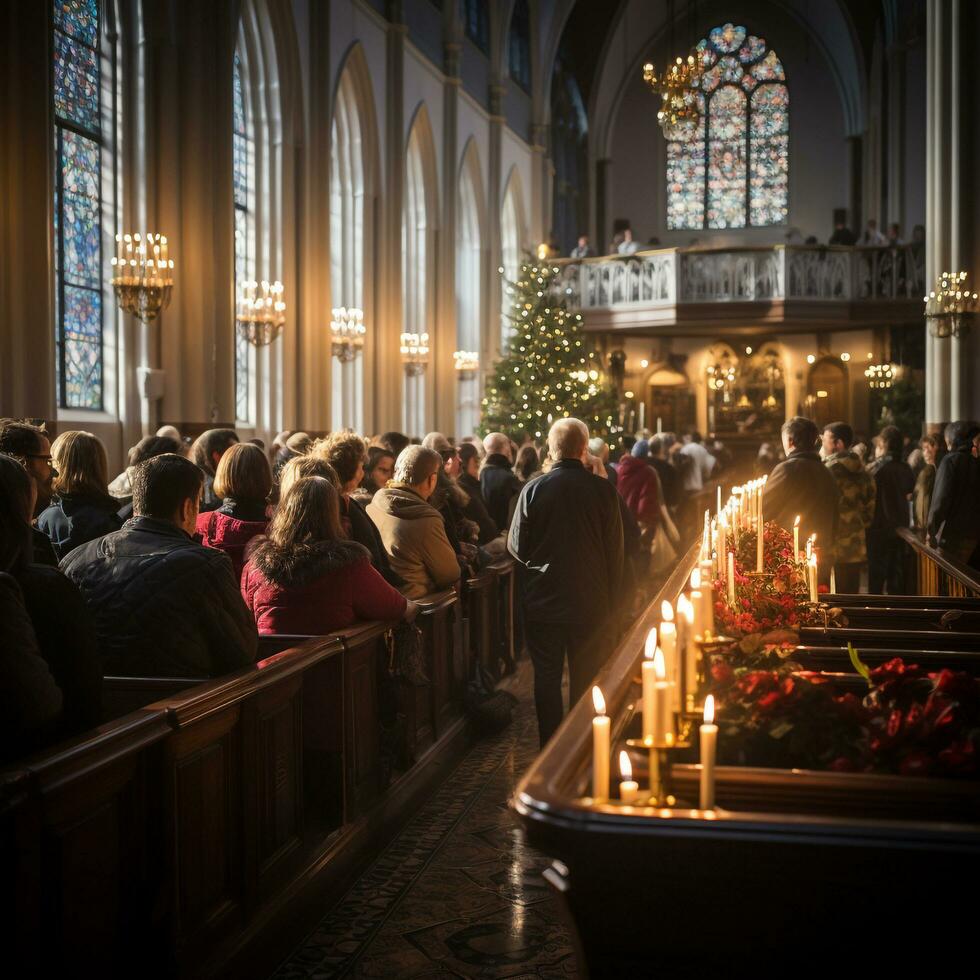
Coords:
pixel 457 893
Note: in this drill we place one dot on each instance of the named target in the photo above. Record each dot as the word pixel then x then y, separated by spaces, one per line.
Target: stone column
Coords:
pixel 490 348
pixel 542 175
pixel 26 247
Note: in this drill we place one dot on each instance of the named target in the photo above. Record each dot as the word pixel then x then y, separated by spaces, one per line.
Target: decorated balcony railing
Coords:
pixel 671 277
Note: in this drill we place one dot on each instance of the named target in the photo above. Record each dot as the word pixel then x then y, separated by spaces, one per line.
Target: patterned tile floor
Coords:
pixel 458 893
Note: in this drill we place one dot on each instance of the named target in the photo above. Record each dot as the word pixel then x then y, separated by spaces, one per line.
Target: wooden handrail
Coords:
pixel 948 571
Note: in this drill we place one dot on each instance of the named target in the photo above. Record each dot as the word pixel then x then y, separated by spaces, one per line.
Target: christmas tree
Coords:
pixel 551 368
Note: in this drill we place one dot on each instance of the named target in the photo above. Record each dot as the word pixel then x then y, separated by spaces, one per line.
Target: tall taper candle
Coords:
pixel 812 577
pixel 833 580
pixel 663 718
pixel 685 640
pixel 709 746
pixel 648 673
pixel 668 643
pixel 796 538
pixel 731 579
pixel 600 748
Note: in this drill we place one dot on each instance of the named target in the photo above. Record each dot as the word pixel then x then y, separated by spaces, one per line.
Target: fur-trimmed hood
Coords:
pixel 305 563
pixel 448 489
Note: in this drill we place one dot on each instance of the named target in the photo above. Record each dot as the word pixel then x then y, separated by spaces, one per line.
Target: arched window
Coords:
pixel 469 291
pixel 519 45
pixel 511 241
pixel 476 23
pixel 569 152
pixel 733 170
pixel 83 134
pixel 351 174
pixel 419 221
pixel 245 239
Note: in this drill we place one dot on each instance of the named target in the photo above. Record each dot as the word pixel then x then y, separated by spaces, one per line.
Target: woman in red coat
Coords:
pixel 242 482
pixel 305 577
pixel 639 486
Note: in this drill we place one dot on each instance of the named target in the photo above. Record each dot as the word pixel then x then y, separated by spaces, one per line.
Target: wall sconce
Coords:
pixel 261 312
pixel 415 353
pixel 347 332
pixel 467 363
pixel 143 274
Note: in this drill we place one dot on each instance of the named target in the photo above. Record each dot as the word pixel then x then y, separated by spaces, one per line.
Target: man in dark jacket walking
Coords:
pixel 954 514
pixel 497 480
pixel 568 534
pixel 164 606
pixel 802 485
pixel 894 482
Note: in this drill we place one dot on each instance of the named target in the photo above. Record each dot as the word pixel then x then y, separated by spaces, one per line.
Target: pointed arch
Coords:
pixel 354 176
pixel 471 220
pixel 513 235
pixel 420 222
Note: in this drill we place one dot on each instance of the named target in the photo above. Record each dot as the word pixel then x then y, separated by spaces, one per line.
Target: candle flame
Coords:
pixel 625 766
pixel 709 709
pixel 651 644
pixel 796 523
pixel 659 665
pixel 696 578
pixel 599 701
pixel 667 611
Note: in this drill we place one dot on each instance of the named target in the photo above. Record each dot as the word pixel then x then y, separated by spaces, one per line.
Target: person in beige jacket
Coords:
pixel 412 530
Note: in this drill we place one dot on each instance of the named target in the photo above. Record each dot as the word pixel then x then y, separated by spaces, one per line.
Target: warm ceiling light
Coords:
pixel 629 394
pixel 845 356
pixel 810 358
pixel 748 350
pixel 644 363
pixel 871 356
pixel 821 393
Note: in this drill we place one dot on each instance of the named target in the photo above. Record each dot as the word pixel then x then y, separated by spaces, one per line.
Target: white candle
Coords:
pixel 833 581
pixel 718 507
pixel 663 719
pixel 722 544
pixel 709 744
pixel 707 605
pixel 629 789
pixel 600 748
pixel 685 633
pixel 731 579
pixel 796 538
pixel 812 569
pixel 648 673
pixel 668 643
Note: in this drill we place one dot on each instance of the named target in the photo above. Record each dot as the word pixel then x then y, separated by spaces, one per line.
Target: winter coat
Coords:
pixel 499 486
pixel 415 539
pixel 231 528
pixel 670 481
pixel 925 483
pixel 360 528
pixel 209 499
pixel 68 643
pixel 640 488
pixel 954 514
pixel 316 588
pixel 893 484
pixel 857 506
pixel 451 500
pixel 476 508
pixel 122 486
pixel 42 550
pixel 73 519
pixel 29 697
pixel 164 606
pixel 568 534
pixel 801 484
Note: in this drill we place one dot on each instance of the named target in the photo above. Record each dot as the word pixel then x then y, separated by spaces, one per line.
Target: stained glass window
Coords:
pixel 78 204
pixel 242 155
pixel 733 170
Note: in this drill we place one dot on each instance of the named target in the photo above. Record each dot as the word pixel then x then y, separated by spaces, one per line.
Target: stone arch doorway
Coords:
pixel 827 391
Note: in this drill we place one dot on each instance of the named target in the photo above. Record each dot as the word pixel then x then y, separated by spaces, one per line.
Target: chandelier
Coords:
pixel 467 363
pixel 880 375
pixel 415 353
pixel 950 307
pixel 261 312
pixel 347 332
pixel 677 87
pixel 142 274
pixel 721 373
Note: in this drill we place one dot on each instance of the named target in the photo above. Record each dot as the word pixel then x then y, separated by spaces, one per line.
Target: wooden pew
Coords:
pixel 121 695
pixel 479 612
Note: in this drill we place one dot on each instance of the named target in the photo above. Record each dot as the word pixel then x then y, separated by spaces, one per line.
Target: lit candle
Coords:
pixel 796 538
pixel 668 643
pixel 718 507
pixel 812 568
pixel 648 674
pixel 722 543
pixel 663 719
pixel 629 789
pixel 709 745
pixel 685 634
pixel 731 579
pixel 600 748
pixel 759 538
pixel 833 581
pixel 707 605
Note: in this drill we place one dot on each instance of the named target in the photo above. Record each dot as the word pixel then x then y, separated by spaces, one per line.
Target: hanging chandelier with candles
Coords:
pixel 677 86
pixel 347 332
pixel 415 353
pixel 466 363
pixel 950 306
pixel 880 375
pixel 143 274
pixel 261 312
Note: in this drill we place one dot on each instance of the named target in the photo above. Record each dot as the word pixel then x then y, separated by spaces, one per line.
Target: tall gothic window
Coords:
pixel 243 154
pixel 519 45
pixel 476 22
pixel 733 170
pixel 78 134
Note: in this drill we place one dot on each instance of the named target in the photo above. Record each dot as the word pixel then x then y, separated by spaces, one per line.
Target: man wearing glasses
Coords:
pixel 29 445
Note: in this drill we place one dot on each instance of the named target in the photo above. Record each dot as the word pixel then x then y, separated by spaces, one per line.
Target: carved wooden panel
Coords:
pixel 361 666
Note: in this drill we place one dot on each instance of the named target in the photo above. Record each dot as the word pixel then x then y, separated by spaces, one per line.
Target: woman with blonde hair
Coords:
pixel 82 509
pixel 243 482
pixel 309 465
pixel 306 577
